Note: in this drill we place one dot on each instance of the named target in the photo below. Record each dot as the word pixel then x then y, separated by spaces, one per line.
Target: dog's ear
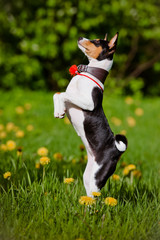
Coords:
pixel 106 37
pixel 112 43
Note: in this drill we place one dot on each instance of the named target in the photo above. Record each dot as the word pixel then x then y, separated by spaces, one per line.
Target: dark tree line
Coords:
pixel 38 41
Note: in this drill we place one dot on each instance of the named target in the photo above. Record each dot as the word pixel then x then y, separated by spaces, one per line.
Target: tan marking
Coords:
pixel 91 49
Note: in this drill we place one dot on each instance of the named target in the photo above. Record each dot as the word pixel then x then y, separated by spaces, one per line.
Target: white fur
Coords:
pixel 104 64
pixel 121 146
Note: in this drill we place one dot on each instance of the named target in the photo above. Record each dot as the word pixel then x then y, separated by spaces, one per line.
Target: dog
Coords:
pixel 82 103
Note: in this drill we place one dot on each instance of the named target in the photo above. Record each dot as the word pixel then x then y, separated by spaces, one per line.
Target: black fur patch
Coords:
pixel 101 139
pixel 105 49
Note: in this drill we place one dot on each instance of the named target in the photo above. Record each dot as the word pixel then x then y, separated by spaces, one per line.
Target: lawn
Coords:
pixel 35 203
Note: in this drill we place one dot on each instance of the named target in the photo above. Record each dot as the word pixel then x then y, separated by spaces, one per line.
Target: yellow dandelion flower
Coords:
pixel 11 145
pixel 115 177
pixel 123 164
pixel 37 165
pixel 27 106
pixel 128 169
pixel 44 161
pixel 58 156
pixel 131 121
pixel 82 147
pixel 20 134
pixel 7 175
pixel 116 121
pixel 29 128
pixel 3 147
pixel 1 127
pixel 111 201
pixel 3 135
pixel 139 112
pixel 123 132
pixel 137 173
pixel 96 194
pixel 19 110
pixel 10 127
pixel 68 180
pixel 129 100
pixel 74 161
pixel 125 171
pixel 43 151
pixel 85 200
pixel 66 121
pixel 19 151
pixel 131 167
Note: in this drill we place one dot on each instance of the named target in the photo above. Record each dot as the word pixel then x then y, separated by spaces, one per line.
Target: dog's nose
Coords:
pixel 80 38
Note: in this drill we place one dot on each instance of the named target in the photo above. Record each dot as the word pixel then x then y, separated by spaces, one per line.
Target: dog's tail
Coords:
pixel 121 142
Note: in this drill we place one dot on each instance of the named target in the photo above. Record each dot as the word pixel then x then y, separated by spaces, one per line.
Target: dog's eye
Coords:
pixel 95 41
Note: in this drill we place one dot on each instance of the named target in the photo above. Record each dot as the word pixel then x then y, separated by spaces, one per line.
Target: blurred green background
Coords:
pixel 38 42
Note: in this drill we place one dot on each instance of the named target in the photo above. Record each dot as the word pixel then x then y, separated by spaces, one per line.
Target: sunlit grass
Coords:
pixel 41 201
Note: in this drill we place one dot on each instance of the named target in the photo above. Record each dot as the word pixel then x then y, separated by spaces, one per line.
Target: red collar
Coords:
pixel 74 71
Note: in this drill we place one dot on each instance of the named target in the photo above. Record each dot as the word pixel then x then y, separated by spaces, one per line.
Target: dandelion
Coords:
pixel 3 135
pixel 129 100
pixel 44 161
pixel 128 169
pixel 115 177
pixel 58 156
pixel 29 128
pixel 3 147
pixel 137 173
pixel 19 151
pixel 131 121
pixel 10 127
pixel 27 106
pixel 139 112
pixel 111 201
pixel 116 121
pixel 42 151
pixel 11 145
pixel 96 194
pixel 123 132
pixel 20 134
pixel 74 161
pixel 85 200
pixel 37 165
pixel 68 180
pixel 82 147
pixel 123 164
pixel 19 110
pixel 7 175
pixel 66 121
pixel 131 167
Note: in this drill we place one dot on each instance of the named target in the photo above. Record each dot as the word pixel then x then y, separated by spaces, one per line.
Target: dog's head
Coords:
pixel 98 49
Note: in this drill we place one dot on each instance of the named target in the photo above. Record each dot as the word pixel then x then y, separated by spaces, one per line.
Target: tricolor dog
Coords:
pixel 82 102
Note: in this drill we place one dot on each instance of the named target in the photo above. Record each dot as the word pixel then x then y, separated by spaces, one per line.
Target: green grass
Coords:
pixel 33 207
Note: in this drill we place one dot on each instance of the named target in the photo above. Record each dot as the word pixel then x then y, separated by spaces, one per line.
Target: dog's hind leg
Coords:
pixel 89 176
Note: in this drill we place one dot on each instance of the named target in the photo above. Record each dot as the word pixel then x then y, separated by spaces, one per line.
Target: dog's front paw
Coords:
pixel 59 106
